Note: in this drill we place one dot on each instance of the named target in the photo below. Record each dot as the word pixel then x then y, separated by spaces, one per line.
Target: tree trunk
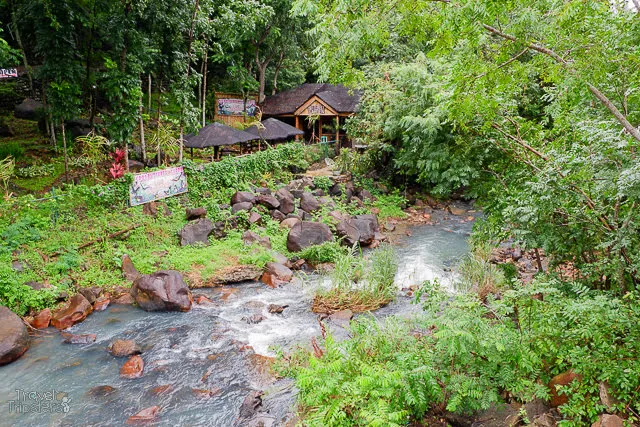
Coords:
pixel 262 70
pixel 143 145
pixel 149 94
pixel 66 157
pixel 276 72
pixel 204 87
pixel 27 68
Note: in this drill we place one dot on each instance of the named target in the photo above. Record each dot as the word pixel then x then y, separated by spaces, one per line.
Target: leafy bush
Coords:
pixel 461 355
pixel 13 149
pixel 21 298
pixel 323 182
pixel 238 172
pixel 80 162
pixel 390 206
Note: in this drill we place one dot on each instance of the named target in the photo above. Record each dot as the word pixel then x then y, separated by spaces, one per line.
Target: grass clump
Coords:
pixel 360 284
pixel 390 206
pixel 326 252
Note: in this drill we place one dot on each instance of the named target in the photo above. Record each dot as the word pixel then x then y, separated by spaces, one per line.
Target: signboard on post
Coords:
pixel 6 73
pixel 147 187
pixel 236 107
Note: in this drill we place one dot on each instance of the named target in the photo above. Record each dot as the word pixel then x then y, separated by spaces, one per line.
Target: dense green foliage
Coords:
pixel 531 106
pixel 461 355
pixel 43 234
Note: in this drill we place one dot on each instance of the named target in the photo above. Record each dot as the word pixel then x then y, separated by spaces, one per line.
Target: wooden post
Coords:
pixel 298 127
pixel 338 133
pixel 320 128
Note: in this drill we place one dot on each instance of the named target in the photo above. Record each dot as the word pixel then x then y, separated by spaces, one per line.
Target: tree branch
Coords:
pixel 633 131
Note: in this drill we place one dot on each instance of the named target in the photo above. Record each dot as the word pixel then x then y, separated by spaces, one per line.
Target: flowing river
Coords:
pixel 201 365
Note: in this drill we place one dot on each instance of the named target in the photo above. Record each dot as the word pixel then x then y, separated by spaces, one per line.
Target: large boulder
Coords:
pixel 14 337
pixel 250 237
pixel 268 201
pixel 78 127
pixel 354 231
pixel 243 197
pixel 123 348
pixel 305 234
pixel 606 420
pixel 287 201
pixel 197 231
pixel 162 291
pixel 77 310
pixel 308 202
pixel 28 109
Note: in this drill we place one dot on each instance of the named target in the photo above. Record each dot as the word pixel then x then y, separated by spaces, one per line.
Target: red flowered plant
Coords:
pixel 116 170
pixel 118 155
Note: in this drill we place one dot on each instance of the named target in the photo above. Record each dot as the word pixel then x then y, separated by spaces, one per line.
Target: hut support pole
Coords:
pixel 298 127
pixel 338 133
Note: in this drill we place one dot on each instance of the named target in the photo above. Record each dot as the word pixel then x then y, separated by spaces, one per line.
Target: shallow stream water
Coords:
pixel 200 365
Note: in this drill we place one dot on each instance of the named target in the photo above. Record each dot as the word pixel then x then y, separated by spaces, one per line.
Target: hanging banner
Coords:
pixel 157 185
pixel 6 73
pixel 236 107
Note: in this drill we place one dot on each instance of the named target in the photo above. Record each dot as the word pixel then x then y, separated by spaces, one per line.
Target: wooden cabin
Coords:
pixel 318 109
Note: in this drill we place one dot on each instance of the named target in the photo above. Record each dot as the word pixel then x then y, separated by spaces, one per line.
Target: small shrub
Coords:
pixel 13 149
pixel 326 252
pixel 36 171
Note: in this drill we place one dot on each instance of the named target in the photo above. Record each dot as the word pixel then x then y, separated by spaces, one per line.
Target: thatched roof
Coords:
pixel 274 129
pixel 340 98
pixel 216 135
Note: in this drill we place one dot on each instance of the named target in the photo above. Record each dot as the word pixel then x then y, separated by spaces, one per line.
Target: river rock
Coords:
pixel 202 299
pixel 132 368
pixel 276 275
pixel 253 319
pixel 14 337
pixel 268 201
pixel 277 215
pixel 76 311
pixel 244 206
pixel 250 405
pixel 78 339
pixel 101 304
pixel 236 274
pixel 195 213
pixel 144 416
pixel 250 237
pixel 123 348
pixel 28 109
pixel 101 391
pixel 305 234
pixel 308 202
pixel 342 317
pixel 197 231
pixel 42 319
pixel 162 291
pixel 91 294
pixel 281 272
pixel 371 218
pixel 339 216
pixel 456 211
pixel 356 231
pixel 243 197
pixel 563 379
pixel 606 420
pixel 124 299
pixel 254 218
pixel 286 200
pixel 150 209
pixel 365 195
pixel 289 222
pixel 129 271
pixel 275 308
